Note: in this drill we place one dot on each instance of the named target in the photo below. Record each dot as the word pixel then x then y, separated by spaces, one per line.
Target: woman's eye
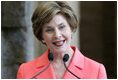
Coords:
pixel 49 30
pixel 61 27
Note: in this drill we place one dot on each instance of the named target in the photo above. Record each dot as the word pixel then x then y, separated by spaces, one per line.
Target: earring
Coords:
pixel 71 35
pixel 43 41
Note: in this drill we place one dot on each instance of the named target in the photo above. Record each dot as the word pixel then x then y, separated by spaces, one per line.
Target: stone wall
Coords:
pixel 16 36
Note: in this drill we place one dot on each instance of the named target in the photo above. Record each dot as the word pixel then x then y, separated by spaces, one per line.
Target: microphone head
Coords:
pixel 50 57
pixel 66 57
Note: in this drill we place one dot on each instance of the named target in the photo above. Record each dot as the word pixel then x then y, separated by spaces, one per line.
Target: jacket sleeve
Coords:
pixel 20 72
pixel 102 72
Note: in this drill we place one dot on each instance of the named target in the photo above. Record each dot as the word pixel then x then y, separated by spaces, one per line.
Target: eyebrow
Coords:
pixel 48 26
pixel 61 24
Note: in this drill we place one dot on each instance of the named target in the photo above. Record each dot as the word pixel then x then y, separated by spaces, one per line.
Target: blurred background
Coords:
pixel 96 36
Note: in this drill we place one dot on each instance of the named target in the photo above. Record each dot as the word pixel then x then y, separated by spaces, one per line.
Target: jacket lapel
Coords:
pixel 76 66
pixel 41 64
pixel 74 70
pixel 47 74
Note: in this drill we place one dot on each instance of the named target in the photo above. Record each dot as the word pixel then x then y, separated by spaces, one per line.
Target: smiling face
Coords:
pixel 57 34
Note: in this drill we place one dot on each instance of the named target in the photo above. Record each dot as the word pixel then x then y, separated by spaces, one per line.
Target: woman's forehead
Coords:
pixel 56 21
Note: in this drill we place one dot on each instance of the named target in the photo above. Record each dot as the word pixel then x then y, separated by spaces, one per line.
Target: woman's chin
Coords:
pixel 61 51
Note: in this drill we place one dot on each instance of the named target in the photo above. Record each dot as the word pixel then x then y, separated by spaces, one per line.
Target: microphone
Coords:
pixel 65 59
pixel 50 57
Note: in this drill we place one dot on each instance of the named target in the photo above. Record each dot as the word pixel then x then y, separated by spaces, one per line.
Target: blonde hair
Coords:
pixel 47 10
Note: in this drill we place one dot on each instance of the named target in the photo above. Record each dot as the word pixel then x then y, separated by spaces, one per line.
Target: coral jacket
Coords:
pixel 80 65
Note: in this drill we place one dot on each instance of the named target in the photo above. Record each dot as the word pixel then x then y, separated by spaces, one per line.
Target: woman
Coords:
pixel 54 23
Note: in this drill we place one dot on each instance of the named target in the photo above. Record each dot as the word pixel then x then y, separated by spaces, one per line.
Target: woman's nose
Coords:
pixel 57 34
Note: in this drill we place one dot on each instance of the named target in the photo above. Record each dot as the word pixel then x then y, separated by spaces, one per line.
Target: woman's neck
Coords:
pixel 58 57
pixel 58 66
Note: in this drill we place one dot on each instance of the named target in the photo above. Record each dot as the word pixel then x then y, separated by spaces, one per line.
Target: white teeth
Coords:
pixel 59 43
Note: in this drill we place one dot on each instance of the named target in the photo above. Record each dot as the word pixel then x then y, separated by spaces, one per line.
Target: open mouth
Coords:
pixel 59 43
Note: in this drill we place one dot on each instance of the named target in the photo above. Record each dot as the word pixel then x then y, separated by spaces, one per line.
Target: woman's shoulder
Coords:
pixel 33 62
pixel 95 68
pixel 30 63
pixel 92 63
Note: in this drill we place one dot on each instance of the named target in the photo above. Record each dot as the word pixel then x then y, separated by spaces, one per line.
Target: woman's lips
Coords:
pixel 59 43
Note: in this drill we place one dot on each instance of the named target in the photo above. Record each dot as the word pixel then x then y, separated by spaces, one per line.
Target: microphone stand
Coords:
pixel 70 71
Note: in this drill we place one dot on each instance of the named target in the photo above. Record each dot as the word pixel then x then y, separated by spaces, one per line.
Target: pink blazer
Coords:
pixel 80 65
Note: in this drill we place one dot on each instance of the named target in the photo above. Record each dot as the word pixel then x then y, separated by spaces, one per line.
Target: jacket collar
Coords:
pixel 41 64
pixel 76 65
pixel 78 58
pixel 43 60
